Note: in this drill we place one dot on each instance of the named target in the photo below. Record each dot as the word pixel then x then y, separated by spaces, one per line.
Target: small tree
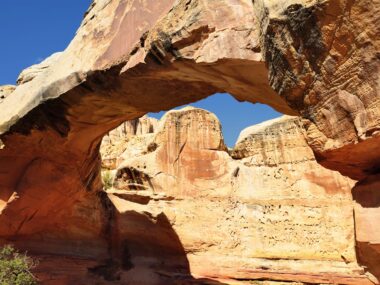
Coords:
pixel 15 267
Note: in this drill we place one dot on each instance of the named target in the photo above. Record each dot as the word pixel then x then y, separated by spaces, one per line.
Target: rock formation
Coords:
pixel 5 91
pixel 265 209
pixel 328 70
pixel 315 59
pixel 367 216
pixel 33 71
pixel 310 55
pixel 127 136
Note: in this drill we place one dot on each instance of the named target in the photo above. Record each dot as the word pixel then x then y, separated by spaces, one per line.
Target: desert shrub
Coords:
pixel 15 267
pixel 107 179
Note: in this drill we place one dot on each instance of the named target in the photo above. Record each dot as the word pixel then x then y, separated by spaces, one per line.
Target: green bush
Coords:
pixel 15 267
pixel 107 178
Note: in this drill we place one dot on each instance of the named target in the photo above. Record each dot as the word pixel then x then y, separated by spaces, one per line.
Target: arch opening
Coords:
pixel 263 198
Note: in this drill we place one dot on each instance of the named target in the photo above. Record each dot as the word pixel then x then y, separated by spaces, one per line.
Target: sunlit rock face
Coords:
pixel 323 58
pixel 129 58
pixel 318 60
pixel 33 71
pixel 5 91
pixel 367 214
pixel 127 136
pixel 264 209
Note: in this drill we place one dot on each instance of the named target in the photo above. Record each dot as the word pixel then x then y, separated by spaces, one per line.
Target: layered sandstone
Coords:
pixel 318 60
pixel 129 136
pixel 321 57
pixel 265 210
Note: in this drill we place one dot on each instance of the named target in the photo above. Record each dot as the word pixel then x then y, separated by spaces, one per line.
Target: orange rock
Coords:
pixel 265 211
pixel 316 60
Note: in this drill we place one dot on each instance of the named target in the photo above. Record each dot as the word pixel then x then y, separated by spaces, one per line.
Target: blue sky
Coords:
pixel 32 30
pixel 233 115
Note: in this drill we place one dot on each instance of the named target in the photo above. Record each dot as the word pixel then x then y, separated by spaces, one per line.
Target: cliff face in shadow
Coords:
pixel 150 253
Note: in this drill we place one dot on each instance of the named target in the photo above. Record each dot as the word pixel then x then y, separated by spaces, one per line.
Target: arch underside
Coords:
pixel 317 60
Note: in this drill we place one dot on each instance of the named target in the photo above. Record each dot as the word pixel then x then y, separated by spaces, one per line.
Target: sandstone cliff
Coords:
pixel 314 59
pixel 129 136
pixel 265 210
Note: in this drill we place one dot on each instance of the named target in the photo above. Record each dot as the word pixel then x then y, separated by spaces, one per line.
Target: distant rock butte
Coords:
pixel 318 60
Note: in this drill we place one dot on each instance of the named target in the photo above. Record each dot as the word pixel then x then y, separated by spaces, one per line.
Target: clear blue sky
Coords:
pixel 32 30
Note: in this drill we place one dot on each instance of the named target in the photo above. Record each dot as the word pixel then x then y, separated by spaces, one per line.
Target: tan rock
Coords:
pixel 266 214
pixel 367 214
pixel 131 58
pixel 5 91
pixel 328 70
pixel 326 56
pixel 188 154
pixel 127 137
pixel 33 71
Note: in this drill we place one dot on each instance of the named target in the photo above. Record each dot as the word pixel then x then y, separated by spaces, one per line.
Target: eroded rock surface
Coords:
pixel 323 58
pixel 33 71
pixel 128 136
pixel 267 210
pixel 5 91
pixel 316 59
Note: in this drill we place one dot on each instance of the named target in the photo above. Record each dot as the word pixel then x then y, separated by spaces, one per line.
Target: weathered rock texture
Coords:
pixel 33 71
pixel 269 211
pixel 317 59
pixel 128 136
pixel 323 59
pixel 5 91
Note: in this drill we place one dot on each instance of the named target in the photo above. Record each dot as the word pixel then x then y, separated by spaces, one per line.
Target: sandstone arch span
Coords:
pixel 132 57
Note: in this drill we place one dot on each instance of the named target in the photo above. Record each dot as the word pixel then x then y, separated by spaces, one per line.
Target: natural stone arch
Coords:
pixel 133 57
